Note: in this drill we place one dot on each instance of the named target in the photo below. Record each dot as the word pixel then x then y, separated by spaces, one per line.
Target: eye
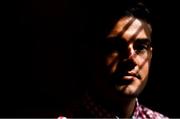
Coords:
pixel 141 46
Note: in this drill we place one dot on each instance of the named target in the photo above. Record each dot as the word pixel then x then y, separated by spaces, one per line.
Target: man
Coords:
pixel 123 60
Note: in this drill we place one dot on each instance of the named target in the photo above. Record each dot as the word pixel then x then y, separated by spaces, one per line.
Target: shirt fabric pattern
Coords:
pixel 140 112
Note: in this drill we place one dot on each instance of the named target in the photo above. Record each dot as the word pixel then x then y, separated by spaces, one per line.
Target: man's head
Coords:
pixel 128 59
pixel 126 52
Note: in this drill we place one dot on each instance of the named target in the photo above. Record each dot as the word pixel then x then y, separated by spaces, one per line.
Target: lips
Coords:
pixel 127 75
pixel 124 78
pixel 131 76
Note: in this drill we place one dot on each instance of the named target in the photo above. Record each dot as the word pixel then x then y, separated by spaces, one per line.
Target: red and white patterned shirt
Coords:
pixel 97 111
pixel 142 112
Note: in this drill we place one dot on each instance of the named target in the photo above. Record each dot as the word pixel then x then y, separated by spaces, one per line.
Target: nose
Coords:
pixel 130 61
pixel 130 54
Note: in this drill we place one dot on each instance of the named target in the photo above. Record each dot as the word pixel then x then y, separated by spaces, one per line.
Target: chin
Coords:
pixel 127 91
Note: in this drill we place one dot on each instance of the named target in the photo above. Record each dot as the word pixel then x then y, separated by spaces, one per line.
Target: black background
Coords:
pixel 43 59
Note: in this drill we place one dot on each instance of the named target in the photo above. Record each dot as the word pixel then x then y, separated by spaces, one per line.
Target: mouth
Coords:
pixel 125 78
pixel 131 76
pixel 127 75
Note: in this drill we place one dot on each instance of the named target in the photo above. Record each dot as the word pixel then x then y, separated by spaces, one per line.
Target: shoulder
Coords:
pixel 145 112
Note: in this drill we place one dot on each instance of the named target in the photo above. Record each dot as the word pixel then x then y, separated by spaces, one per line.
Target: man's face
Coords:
pixel 128 55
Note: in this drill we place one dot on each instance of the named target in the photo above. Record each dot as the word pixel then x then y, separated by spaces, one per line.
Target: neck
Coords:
pixel 121 106
pixel 125 107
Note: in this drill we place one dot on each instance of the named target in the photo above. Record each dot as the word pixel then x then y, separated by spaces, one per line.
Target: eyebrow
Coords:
pixel 144 41
pixel 114 39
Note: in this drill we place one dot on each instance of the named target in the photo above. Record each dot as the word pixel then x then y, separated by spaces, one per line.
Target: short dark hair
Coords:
pixel 140 11
pixel 103 16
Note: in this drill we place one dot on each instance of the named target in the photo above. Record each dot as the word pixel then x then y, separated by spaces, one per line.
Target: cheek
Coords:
pixel 111 58
pixel 112 62
pixel 144 70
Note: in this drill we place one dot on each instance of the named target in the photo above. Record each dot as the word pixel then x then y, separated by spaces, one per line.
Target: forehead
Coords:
pixel 131 28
